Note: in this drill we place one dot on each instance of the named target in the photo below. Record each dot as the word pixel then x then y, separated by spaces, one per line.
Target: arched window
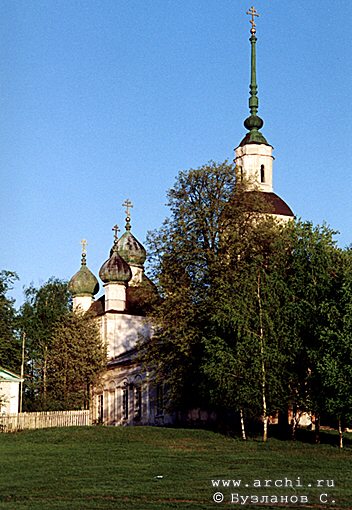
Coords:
pixel 137 402
pixel 100 408
pixel 262 173
pixel 125 402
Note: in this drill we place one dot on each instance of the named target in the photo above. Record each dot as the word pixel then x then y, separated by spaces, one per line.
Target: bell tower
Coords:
pixel 254 159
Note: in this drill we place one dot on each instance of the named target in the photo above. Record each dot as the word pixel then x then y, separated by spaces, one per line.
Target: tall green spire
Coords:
pixel 253 123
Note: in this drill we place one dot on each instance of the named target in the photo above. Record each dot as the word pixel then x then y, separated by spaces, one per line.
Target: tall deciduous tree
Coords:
pixel 313 280
pixel 76 360
pixel 43 308
pixel 251 364
pixel 202 258
pixel 334 363
pixel 183 255
pixel 10 345
pixel 244 300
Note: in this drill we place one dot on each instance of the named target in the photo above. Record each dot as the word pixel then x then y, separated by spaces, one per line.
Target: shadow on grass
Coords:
pixel 304 435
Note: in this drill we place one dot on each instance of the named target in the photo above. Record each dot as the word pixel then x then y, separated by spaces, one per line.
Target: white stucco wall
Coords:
pixel 122 331
pixel 82 303
pixel 9 394
pixel 115 296
pixel 250 158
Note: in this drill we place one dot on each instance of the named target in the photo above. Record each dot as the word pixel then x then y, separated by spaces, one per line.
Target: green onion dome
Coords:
pixel 128 247
pixel 83 283
pixel 131 249
pixel 115 269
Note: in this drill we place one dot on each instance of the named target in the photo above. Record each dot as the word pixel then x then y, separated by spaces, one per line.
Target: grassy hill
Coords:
pixel 160 469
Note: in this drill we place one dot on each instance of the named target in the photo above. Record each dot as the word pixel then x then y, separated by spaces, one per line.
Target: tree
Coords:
pixel 313 280
pixel 76 360
pixel 251 362
pixel 207 248
pixel 334 364
pixel 10 345
pixel 243 301
pixel 182 254
pixel 43 308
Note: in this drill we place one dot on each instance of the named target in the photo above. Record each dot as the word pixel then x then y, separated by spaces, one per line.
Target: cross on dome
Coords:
pixel 116 229
pixel 84 246
pixel 128 204
pixel 84 251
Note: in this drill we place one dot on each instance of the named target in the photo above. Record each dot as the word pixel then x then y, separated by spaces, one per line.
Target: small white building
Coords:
pixel 9 391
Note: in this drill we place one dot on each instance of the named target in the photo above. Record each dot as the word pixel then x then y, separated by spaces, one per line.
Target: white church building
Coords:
pixel 127 395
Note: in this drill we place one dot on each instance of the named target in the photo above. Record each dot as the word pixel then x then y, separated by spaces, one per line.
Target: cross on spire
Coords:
pixel 116 229
pixel 252 12
pixel 128 204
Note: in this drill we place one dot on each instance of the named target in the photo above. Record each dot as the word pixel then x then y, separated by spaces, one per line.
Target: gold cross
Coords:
pixel 128 204
pixel 252 12
pixel 84 246
pixel 115 229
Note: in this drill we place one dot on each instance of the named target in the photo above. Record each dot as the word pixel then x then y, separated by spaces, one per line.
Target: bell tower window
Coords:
pixel 262 173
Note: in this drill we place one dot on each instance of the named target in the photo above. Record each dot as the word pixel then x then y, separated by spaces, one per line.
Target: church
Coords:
pixel 127 394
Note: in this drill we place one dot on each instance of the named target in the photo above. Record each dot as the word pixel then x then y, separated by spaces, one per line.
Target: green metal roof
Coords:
pixel 115 269
pixel 131 249
pixel 6 375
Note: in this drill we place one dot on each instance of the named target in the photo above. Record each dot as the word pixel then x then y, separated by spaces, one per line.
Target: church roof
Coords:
pixel 138 302
pixel 249 139
pixel 276 204
pixel 98 307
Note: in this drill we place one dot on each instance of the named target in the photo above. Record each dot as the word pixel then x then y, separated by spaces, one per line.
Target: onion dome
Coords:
pixel 83 283
pixel 129 247
pixel 115 269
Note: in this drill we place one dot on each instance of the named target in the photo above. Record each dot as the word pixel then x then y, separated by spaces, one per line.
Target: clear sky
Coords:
pixel 101 100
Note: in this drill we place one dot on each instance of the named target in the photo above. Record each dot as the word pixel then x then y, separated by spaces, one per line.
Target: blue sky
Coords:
pixel 106 99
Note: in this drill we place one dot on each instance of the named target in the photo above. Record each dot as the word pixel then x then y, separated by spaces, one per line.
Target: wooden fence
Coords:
pixel 21 421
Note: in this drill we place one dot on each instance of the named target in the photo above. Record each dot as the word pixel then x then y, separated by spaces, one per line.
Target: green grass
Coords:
pixel 117 468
